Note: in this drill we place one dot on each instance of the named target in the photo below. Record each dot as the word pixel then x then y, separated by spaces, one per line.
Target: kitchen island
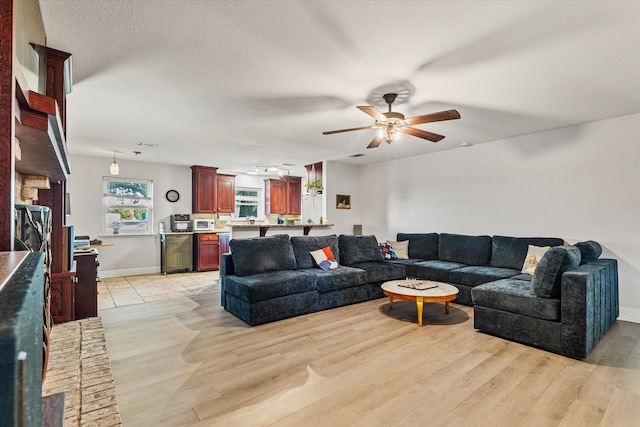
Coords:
pixel 244 230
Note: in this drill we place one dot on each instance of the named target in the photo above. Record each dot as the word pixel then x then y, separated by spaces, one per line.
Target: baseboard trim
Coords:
pixel 128 272
pixel 629 314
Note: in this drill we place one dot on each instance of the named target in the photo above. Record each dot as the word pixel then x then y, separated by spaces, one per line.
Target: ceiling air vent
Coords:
pixel 357 155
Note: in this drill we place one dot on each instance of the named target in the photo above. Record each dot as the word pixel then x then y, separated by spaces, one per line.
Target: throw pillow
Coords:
pixel 325 259
pixel 387 251
pixel 400 248
pixel 534 255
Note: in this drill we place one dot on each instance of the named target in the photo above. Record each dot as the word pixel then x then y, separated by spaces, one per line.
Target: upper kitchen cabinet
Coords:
pixel 226 193
pixel 283 196
pixel 212 192
pixel 203 188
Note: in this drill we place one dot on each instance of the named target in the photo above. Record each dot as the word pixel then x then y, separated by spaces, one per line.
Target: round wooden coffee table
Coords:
pixel 436 292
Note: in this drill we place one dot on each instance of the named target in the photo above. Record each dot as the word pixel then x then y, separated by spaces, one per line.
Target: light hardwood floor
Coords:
pixel 180 359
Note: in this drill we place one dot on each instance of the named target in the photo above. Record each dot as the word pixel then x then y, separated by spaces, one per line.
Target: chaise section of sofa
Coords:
pixel 565 308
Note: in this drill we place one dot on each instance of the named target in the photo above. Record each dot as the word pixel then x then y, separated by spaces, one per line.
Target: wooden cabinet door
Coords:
pixel 177 253
pixel 226 189
pixel 62 297
pixel 275 199
pixel 86 289
pixel 294 195
pixel 207 252
pixel 203 188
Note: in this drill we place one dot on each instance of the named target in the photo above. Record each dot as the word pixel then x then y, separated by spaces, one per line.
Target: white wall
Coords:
pixel 577 183
pixel 341 178
pixel 130 255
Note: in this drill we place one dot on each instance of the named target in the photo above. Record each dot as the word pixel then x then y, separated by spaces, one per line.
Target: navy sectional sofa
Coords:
pixel 566 306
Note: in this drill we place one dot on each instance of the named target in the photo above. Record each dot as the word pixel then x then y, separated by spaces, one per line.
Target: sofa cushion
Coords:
pixel 262 255
pixel 548 276
pixel 534 255
pixel 432 269
pixel 515 296
pixel 264 286
pixel 421 245
pixel 470 250
pixel 475 275
pixel 510 252
pixel 401 249
pixel 589 251
pixel 354 249
pixel 382 271
pixel 304 245
pixel 342 278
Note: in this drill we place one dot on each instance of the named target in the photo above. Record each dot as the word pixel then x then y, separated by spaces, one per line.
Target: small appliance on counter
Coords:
pixel 203 224
pixel 180 222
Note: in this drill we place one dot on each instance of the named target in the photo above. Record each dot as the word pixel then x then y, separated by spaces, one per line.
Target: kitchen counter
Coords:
pixel 216 231
pixel 263 227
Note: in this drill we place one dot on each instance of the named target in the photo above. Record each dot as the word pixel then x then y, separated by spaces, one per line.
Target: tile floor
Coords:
pixel 130 290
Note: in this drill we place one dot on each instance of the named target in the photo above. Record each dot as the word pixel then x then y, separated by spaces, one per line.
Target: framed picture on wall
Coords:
pixel 343 201
pixel 127 206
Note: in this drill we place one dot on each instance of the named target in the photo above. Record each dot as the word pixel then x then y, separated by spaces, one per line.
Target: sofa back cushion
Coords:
pixel 547 279
pixel 510 252
pixel 421 245
pixel 470 250
pixel 304 245
pixel 589 251
pixel 262 255
pixel 354 249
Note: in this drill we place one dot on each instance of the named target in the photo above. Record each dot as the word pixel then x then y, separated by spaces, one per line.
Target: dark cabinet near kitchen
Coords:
pixel 283 196
pixel 226 193
pixel 206 252
pixel 212 192
pixel 86 287
pixel 203 188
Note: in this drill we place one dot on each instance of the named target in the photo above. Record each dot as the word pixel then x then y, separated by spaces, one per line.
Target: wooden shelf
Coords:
pixel 40 132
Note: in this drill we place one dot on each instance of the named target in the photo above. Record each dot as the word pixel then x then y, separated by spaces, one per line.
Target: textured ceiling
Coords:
pixel 236 84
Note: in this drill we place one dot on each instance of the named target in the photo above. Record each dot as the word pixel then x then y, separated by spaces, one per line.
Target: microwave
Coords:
pixel 203 224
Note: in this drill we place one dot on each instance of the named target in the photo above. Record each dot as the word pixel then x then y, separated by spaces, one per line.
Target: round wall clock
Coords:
pixel 172 196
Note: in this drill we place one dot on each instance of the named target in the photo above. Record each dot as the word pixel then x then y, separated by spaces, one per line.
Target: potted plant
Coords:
pixel 314 187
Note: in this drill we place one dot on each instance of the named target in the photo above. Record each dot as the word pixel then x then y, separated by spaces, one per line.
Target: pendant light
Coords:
pixel 114 169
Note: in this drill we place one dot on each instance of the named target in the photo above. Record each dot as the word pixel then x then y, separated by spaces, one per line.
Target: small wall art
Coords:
pixel 343 201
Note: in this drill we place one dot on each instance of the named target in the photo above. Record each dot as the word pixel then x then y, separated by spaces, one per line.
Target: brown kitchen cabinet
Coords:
pixel 86 287
pixel 283 196
pixel 206 252
pixel 203 188
pixel 226 193
pixel 212 192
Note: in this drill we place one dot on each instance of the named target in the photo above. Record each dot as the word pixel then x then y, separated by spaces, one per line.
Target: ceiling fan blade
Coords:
pixel 372 111
pixel 433 137
pixel 331 132
pixel 375 142
pixel 434 117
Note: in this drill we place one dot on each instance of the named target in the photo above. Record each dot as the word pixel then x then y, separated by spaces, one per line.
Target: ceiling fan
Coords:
pixel 390 125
